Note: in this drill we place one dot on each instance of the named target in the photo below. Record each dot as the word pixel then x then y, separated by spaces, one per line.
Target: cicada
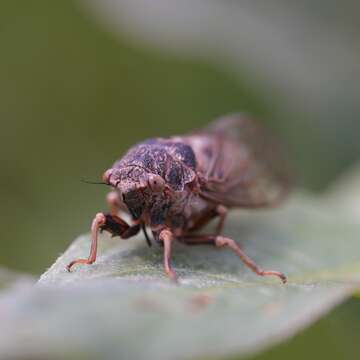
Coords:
pixel 175 186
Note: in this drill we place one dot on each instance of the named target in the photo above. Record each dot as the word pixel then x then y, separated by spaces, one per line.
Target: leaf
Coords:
pixel 13 278
pixel 122 306
pixel 250 40
pixel 273 50
pixel 344 194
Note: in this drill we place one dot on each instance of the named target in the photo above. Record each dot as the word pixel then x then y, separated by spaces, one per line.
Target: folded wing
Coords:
pixel 240 164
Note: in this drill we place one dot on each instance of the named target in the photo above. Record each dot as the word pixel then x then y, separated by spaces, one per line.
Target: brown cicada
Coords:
pixel 175 186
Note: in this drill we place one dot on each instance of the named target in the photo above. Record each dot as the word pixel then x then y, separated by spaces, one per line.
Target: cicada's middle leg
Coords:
pixel 167 237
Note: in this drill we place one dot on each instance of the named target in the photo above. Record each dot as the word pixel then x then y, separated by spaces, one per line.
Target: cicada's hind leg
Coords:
pixel 220 211
pixel 221 241
pixel 111 223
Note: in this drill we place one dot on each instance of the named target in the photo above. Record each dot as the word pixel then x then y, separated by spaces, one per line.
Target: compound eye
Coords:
pixel 156 183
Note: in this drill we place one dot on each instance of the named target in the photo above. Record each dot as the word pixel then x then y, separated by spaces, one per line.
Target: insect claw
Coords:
pixel 78 261
pixel 172 276
pixel 283 278
pixel 279 274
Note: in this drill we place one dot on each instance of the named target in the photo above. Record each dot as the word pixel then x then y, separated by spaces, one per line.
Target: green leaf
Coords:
pixel 344 194
pixel 124 307
pixel 13 278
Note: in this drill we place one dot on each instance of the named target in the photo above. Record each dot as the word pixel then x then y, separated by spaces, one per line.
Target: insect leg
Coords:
pixel 112 199
pixel 203 220
pixel 221 241
pixel 167 237
pixel 111 223
pixel 116 226
pixel 98 221
pixel 222 212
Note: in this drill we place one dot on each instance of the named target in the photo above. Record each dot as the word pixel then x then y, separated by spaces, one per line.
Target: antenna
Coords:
pixel 94 182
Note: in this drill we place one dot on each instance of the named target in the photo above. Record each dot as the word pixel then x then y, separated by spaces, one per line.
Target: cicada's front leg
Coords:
pixel 114 204
pixel 108 222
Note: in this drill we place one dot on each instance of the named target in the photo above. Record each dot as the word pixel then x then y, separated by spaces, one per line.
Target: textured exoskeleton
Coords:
pixel 175 186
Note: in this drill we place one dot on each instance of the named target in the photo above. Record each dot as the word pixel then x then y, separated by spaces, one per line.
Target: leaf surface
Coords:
pixel 123 306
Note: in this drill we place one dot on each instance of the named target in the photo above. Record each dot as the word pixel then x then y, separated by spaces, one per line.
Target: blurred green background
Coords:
pixel 74 96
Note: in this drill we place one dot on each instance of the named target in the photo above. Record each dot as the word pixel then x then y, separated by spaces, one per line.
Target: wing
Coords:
pixel 239 162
